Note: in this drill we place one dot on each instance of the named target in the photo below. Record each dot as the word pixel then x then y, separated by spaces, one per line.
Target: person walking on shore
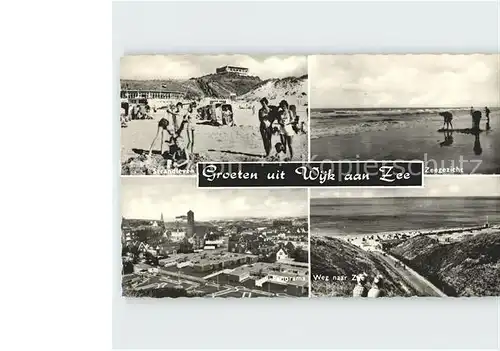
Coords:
pixel 487 113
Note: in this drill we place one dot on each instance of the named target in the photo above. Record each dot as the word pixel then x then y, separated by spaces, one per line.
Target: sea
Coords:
pixel 343 121
pixel 358 216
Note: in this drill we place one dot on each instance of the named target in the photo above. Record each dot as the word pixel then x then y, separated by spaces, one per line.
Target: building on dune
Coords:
pixel 232 69
pixel 152 94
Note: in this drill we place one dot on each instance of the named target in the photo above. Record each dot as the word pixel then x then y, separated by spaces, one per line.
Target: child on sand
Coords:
pixel 165 126
pixel 280 152
pixel 180 156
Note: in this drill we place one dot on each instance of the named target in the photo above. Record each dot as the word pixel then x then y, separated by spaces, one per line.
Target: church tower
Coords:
pixel 190 223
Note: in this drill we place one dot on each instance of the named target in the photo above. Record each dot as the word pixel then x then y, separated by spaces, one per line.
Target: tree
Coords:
pixel 128 267
pixel 185 246
pixel 300 255
pixel 125 250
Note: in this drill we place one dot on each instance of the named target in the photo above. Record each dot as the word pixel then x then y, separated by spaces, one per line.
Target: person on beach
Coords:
pixel 476 120
pixel 487 114
pixel 447 118
pixel 253 110
pixel 296 119
pixel 134 111
pixel 265 125
pixel 165 126
pixel 280 155
pixel 172 114
pixel 180 157
pixel 189 123
pixel 377 287
pixel 226 117
pixel 218 115
pixel 360 289
pixel 286 122
pixel 123 118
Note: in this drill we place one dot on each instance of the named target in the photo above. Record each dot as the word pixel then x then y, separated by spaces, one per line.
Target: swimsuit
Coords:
pixel 287 123
pixel 190 121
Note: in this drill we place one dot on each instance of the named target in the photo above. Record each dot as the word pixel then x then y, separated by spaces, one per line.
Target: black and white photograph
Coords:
pixel 182 241
pixel 441 240
pixel 442 109
pixel 177 110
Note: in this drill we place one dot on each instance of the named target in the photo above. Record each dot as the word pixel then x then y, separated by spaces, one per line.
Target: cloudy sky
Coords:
pixel 144 67
pixel 404 80
pixel 437 186
pixel 146 197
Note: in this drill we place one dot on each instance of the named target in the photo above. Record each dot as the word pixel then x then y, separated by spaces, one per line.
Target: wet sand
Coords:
pixel 418 141
pixel 225 144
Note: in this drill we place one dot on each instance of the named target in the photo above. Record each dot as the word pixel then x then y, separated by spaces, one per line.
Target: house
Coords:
pixel 151 94
pixel 177 236
pixel 232 69
pixel 238 275
pixel 281 255
pixel 141 268
pixel 297 287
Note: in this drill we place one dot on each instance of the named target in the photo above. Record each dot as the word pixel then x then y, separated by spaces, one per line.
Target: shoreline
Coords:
pixel 434 231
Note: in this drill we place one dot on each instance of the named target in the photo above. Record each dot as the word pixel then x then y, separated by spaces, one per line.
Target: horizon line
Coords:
pixel 411 196
pixel 223 218
pixel 380 107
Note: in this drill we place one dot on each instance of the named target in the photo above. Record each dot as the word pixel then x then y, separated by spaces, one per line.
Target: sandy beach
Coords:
pixel 229 144
pixel 370 242
pixel 409 138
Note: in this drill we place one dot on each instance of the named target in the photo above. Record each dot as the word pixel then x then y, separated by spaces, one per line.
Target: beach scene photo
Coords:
pixel 182 241
pixel 177 110
pixel 442 109
pixel 441 240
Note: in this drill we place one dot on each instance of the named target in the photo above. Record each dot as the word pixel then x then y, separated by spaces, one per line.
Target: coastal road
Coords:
pixel 410 277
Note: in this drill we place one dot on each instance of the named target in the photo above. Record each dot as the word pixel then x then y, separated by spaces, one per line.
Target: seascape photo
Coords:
pixel 182 241
pixel 440 240
pixel 177 110
pixel 441 109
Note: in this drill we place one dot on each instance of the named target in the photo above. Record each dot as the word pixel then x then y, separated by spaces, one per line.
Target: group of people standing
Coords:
pixel 136 111
pixel 282 120
pixel 217 114
pixel 376 289
pixel 476 118
pixel 176 121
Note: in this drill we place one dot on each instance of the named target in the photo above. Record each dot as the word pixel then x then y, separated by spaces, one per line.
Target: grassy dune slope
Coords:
pixel 212 85
pixel 467 268
pixel 333 257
